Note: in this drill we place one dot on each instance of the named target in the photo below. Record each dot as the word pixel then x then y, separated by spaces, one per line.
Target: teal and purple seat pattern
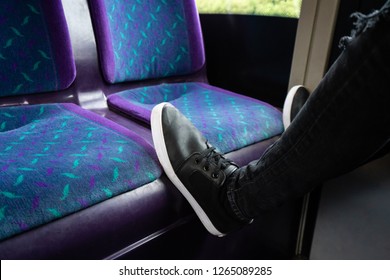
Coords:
pixel 140 40
pixel 59 159
pixel 229 121
pixel 165 40
pixel 35 49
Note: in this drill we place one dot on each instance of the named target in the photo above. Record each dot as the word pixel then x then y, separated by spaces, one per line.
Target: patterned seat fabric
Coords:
pixel 140 40
pixel 59 159
pixel 35 49
pixel 228 120
pixel 158 38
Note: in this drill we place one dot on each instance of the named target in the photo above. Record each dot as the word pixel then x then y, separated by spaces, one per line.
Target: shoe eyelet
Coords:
pixel 205 168
pixel 197 161
pixel 215 175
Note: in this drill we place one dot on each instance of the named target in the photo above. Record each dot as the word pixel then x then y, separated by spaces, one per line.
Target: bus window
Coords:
pixel 281 8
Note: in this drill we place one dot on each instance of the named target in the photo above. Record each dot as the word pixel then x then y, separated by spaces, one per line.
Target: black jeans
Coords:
pixel 345 122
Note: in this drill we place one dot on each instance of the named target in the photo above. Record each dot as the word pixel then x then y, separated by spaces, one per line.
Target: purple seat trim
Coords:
pixel 61 44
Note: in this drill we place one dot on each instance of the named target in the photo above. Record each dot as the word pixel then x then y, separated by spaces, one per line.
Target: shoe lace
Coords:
pixel 210 156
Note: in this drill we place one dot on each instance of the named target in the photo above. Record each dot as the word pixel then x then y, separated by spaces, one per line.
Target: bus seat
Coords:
pixel 36 54
pixel 55 159
pixel 140 40
pixel 58 159
pixel 228 120
pixel 165 40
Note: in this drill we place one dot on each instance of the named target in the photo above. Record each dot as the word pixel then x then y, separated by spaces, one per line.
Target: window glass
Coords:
pixel 283 8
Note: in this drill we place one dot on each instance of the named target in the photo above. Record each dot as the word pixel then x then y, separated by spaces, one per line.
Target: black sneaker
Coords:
pixel 295 100
pixel 194 167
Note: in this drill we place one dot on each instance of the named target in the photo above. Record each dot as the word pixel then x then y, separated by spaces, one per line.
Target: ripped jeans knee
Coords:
pixel 364 22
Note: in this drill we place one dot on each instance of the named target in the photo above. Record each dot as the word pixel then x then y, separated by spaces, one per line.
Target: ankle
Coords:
pixel 230 201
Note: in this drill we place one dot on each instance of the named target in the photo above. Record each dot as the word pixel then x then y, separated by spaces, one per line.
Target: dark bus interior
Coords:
pixel 345 218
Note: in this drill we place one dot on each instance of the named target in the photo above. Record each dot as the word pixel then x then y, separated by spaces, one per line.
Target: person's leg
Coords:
pixel 344 123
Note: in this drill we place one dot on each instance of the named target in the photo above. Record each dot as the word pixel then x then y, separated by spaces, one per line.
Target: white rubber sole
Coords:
pixel 288 105
pixel 162 154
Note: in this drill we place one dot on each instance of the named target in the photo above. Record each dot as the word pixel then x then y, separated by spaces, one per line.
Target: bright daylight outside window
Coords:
pixel 282 8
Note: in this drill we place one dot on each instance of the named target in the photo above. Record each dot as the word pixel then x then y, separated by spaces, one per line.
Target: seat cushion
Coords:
pixel 35 50
pixel 228 120
pixel 140 40
pixel 59 159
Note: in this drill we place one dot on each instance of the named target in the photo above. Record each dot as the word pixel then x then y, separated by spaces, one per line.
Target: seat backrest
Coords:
pixel 35 48
pixel 147 39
